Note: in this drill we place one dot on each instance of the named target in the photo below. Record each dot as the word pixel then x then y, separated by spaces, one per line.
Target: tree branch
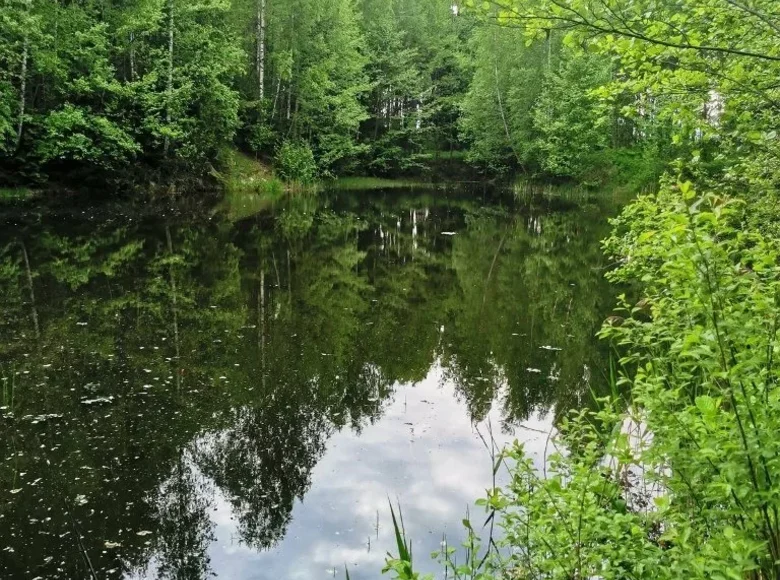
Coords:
pixel 579 20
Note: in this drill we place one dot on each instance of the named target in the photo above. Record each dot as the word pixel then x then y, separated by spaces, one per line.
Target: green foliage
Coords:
pixel 72 134
pixel 7 129
pixel 530 104
pixel 636 168
pixel 103 88
pixel 374 183
pixel 316 78
pixel 493 130
pixel 163 85
pixel 417 79
pixel 397 152
pixel 295 162
pixel 568 125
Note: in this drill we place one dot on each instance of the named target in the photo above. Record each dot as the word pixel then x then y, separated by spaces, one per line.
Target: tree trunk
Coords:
pixel 23 80
pixel 56 39
pixel 132 56
pixel 260 57
pixel 169 85
pixel 377 114
pixel 276 97
pixel 295 126
pixel 501 107
pixel 549 49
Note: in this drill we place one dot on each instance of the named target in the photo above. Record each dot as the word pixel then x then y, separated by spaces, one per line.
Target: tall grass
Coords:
pixel 401 565
pixel 526 189
pixel 241 174
pixel 369 183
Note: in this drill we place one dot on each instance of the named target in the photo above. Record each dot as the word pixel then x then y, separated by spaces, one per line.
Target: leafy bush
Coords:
pixel 635 168
pixel 76 134
pixel 295 162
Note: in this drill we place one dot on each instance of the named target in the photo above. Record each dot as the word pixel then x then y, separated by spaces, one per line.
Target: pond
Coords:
pixel 189 394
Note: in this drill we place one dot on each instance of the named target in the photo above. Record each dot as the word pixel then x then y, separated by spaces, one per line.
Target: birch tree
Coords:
pixel 261 48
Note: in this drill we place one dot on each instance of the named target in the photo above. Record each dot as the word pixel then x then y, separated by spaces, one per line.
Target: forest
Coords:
pixel 668 468
pixel 150 91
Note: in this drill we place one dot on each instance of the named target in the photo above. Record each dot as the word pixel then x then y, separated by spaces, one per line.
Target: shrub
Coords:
pixel 295 162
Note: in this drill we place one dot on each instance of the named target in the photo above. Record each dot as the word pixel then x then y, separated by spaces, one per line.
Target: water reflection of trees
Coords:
pixel 184 527
pixel 147 367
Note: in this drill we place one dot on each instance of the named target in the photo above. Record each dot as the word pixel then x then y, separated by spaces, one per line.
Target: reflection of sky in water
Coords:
pixel 423 452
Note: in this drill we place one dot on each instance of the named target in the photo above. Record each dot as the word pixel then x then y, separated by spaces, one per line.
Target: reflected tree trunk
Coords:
pixel 261 325
pixel 289 278
pixel 174 301
pixel 276 270
pixel 492 267
pixel 31 289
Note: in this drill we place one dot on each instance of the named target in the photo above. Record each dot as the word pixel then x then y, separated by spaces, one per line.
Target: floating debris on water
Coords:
pixel 97 400
pixel 41 418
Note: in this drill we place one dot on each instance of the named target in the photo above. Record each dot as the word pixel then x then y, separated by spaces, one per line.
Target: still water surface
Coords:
pixel 211 393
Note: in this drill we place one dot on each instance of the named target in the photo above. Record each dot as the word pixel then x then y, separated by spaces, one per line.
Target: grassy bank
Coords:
pixel 242 174
pixel 250 185
pixel 368 183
